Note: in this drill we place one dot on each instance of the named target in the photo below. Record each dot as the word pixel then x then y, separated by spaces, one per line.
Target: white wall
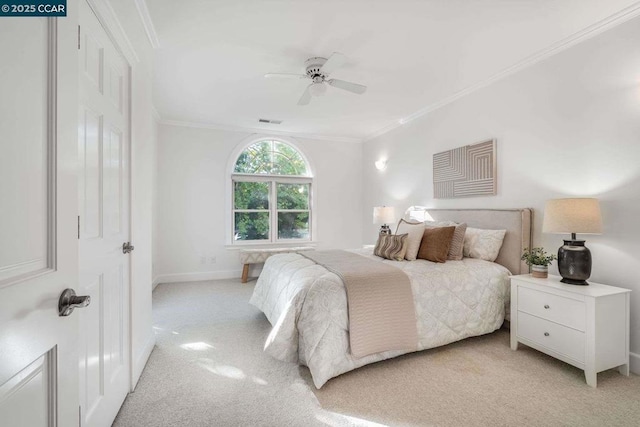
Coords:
pixel 155 209
pixel 143 147
pixel 566 127
pixel 192 180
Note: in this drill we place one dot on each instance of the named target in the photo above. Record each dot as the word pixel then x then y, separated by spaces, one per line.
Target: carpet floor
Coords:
pixel 208 369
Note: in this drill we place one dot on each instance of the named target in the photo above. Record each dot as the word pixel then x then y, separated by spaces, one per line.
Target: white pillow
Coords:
pixel 483 244
pixel 415 231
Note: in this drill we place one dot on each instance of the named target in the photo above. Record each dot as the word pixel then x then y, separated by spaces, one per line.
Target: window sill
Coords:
pixel 299 243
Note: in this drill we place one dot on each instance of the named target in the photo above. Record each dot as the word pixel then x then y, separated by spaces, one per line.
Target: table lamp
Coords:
pixel 384 215
pixel 571 216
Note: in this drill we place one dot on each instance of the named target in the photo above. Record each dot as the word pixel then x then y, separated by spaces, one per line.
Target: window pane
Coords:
pixel 251 226
pixel 287 160
pixel 251 195
pixel 293 225
pixel 293 196
pixel 255 159
pixel 271 157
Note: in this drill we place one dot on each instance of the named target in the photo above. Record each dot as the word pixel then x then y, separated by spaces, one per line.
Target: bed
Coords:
pixel 307 304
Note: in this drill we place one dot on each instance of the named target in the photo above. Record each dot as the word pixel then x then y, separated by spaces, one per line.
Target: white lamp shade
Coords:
pixel 563 216
pixel 384 215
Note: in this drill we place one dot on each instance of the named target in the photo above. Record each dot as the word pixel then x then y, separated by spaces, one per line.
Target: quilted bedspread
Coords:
pixel 307 306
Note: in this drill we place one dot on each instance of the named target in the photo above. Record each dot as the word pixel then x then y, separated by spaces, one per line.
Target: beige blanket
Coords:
pixel 382 313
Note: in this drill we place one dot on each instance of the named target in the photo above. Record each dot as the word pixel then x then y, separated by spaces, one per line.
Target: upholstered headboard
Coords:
pixel 517 222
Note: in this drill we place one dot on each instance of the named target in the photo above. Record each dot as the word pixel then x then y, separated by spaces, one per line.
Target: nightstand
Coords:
pixel 584 326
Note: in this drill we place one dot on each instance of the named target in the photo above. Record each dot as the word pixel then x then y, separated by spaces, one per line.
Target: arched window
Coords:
pixel 271 194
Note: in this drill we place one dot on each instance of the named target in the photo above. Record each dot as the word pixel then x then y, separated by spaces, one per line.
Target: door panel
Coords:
pixel 25 397
pixel 114 343
pixel 92 57
pixel 103 197
pixel 89 183
pixel 25 142
pixel 91 358
pixel 113 178
pixel 116 79
pixel 38 208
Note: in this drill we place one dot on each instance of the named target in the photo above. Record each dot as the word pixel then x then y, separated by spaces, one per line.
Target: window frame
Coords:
pixel 273 210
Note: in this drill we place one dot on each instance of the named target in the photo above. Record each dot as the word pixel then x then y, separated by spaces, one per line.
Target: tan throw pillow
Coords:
pixel 391 246
pixel 415 231
pixel 435 243
pixel 457 242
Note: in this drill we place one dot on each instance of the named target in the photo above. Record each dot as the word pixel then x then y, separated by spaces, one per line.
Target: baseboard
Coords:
pixel 156 282
pixel 634 363
pixel 195 277
pixel 140 361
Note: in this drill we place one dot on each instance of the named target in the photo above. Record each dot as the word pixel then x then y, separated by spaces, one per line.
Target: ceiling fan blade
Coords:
pixel 306 96
pixel 286 76
pixel 335 61
pixel 351 87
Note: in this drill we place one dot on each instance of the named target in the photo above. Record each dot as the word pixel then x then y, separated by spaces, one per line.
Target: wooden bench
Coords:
pixel 258 256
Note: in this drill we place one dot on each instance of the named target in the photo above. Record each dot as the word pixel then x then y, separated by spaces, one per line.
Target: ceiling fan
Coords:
pixel 318 70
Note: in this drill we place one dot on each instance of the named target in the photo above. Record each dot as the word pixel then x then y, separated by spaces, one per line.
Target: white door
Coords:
pixel 38 223
pixel 103 197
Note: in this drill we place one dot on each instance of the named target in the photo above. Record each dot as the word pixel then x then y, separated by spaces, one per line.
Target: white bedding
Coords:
pixel 307 306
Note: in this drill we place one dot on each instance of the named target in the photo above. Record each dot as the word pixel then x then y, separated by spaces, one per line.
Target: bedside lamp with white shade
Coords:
pixel 384 215
pixel 571 216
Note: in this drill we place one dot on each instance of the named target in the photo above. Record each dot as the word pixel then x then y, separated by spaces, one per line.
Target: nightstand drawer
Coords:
pixel 566 311
pixel 561 339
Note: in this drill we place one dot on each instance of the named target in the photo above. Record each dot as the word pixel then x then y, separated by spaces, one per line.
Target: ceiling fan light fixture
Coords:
pixel 317 89
pixel 317 70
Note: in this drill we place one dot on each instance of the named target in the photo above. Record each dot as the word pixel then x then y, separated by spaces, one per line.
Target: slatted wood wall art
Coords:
pixel 465 171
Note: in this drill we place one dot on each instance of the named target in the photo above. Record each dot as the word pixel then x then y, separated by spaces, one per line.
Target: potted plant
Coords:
pixel 539 261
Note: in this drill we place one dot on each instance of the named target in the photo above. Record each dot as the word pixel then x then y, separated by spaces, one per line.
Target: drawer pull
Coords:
pixel 546 334
pixel 546 306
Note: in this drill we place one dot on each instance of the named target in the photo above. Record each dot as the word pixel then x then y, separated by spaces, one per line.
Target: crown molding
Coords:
pixel 111 24
pixel 147 23
pixel 250 130
pixel 388 128
pixel 591 31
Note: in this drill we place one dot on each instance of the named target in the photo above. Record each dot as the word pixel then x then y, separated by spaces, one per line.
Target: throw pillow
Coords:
pixel 415 230
pixel 483 244
pixel 391 246
pixel 457 242
pixel 435 243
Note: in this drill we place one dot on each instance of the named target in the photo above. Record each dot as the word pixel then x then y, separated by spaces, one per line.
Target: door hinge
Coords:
pixel 78 227
pixel 78 37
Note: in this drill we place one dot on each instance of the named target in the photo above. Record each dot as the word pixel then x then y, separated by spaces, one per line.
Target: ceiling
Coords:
pixel 412 55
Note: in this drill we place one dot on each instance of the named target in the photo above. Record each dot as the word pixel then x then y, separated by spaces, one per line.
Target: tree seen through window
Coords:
pixel 271 194
pixel 271 158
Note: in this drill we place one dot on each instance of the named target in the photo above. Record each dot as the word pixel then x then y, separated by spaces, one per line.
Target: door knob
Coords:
pixel 127 247
pixel 69 300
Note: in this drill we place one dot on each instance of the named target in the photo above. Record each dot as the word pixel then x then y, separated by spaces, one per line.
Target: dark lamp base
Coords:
pixel 574 262
pixel 575 282
pixel 384 229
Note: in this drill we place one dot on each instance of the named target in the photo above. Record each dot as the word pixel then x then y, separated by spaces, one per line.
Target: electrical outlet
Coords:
pixel 212 260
